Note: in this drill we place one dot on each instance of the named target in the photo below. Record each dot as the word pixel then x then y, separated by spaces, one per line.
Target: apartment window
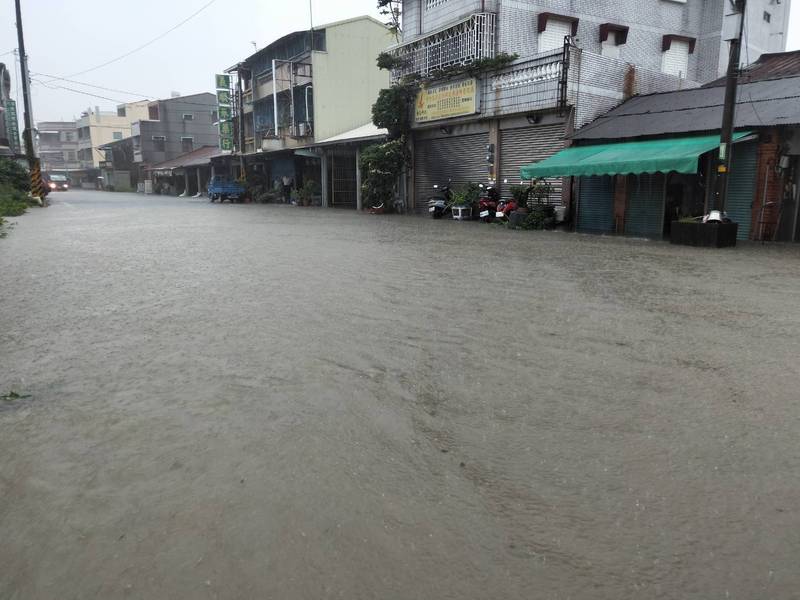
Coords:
pixel 159 143
pixel 117 135
pixel 188 117
pixel 121 112
pixel 553 29
pixel 675 55
pixel 611 38
pixel 187 144
pixel 69 155
pixel 152 112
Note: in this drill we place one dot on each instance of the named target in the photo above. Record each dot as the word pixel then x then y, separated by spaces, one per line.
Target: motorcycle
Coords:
pixel 505 208
pixel 439 205
pixel 487 203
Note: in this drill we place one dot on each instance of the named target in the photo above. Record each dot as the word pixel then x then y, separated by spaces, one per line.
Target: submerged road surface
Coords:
pixel 274 402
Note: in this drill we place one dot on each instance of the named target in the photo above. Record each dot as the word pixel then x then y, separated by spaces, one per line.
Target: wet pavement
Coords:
pixel 237 401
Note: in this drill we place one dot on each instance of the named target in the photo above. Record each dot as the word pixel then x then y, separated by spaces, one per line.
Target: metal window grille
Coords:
pixel 470 40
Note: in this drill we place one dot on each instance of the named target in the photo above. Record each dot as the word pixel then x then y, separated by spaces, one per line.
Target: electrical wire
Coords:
pixel 107 89
pixel 146 44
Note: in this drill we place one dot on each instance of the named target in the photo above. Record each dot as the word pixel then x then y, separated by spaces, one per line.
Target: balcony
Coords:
pixel 468 40
pixel 539 83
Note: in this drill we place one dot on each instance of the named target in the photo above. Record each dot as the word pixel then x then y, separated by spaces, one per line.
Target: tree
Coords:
pixel 391 10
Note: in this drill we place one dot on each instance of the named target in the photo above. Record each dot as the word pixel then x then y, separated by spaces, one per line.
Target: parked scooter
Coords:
pixel 440 205
pixel 505 208
pixel 487 203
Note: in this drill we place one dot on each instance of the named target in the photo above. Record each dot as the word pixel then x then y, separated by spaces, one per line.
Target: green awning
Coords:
pixel 650 156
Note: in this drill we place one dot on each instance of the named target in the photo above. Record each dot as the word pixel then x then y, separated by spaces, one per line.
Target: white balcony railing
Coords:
pixel 461 44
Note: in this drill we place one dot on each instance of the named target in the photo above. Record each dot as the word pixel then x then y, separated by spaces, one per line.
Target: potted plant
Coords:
pixel 306 193
pixel 464 200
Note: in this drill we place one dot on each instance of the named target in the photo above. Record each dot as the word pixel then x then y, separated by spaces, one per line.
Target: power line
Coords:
pixel 146 44
pixel 143 97
pixel 97 87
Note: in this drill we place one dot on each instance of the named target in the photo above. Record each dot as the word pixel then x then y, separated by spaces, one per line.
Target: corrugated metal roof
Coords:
pixel 363 133
pixel 201 156
pixel 768 66
pixel 760 104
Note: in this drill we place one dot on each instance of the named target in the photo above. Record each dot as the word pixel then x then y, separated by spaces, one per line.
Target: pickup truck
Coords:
pixel 222 188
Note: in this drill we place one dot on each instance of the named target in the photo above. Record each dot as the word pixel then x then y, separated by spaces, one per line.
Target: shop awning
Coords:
pixel 622 158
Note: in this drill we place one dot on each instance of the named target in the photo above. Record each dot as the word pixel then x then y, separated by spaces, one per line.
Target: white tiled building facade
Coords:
pixel 648 21
pixel 617 48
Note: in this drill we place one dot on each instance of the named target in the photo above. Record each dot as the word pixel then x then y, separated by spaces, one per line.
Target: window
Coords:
pixel 188 117
pixel 69 155
pixel 434 3
pixel 611 38
pixel 117 135
pixel 152 112
pixel 187 144
pixel 610 47
pixel 675 58
pixel 121 112
pixel 159 143
pixel 214 116
pixel 553 29
pixel 767 17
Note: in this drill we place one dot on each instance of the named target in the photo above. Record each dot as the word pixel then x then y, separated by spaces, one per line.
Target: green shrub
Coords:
pixel 13 174
pixel 381 165
pixel 13 202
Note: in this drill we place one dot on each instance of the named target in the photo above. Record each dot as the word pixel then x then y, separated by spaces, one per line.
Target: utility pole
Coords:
pixel 729 110
pixel 37 188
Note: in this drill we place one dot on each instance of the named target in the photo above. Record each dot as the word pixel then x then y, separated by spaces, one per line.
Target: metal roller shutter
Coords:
pixel 460 160
pixel 644 215
pixel 520 147
pixel 742 187
pixel 596 205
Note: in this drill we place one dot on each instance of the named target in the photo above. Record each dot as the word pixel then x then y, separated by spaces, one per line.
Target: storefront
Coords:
pixel 638 187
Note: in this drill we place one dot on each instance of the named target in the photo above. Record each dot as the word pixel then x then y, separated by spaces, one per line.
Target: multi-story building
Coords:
pixel 97 128
pixel 305 88
pixel 174 126
pixel 575 60
pixel 58 145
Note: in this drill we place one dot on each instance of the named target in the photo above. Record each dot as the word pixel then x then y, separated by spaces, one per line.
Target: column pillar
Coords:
pixel 324 167
pixel 199 181
pixel 359 199
pixel 185 182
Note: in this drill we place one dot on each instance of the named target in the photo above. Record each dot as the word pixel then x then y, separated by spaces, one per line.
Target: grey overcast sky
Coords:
pixel 69 36
pixel 63 37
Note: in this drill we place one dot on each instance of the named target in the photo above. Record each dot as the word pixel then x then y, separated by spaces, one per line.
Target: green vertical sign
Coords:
pixel 12 127
pixel 224 111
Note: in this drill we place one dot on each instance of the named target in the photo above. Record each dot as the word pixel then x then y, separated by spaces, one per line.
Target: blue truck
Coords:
pixel 223 188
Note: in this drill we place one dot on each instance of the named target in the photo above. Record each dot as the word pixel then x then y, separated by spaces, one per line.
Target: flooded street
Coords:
pixel 257 401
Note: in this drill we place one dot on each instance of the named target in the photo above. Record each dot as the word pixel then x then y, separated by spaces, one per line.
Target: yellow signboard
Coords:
pixel 447 100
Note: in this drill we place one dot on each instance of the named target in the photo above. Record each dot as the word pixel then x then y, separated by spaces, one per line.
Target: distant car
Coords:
pixel 57 183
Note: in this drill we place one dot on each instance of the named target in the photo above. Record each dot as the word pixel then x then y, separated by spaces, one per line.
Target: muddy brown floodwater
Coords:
pixel 276 402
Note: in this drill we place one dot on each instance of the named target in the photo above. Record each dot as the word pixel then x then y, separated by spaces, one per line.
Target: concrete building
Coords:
pixel 58 146
pixel 97 128
pixel 303 89
pixel 576 60
pixel 173 127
